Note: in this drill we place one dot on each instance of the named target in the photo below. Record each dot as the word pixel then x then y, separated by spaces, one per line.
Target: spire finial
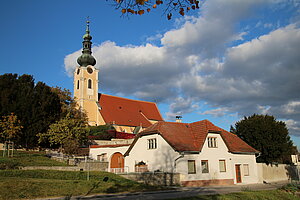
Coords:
pixel 88 24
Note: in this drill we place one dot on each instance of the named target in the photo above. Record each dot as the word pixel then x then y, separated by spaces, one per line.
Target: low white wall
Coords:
pixel 273 173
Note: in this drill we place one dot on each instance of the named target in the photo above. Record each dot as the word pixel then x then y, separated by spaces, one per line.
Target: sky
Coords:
pixel 227 60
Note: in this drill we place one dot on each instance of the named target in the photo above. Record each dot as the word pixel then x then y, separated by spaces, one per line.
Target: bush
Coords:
pixel 9 165
pixel 291 187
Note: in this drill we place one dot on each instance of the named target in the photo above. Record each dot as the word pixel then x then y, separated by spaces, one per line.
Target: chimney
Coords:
pixel 178 118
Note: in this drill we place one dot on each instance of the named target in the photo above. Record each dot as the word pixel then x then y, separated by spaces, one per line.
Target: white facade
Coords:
pixel 105 154
pixel 158 155
pixel 163 158
pixel 160 158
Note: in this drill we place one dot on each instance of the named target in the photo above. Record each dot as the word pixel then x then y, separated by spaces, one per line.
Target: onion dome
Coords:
pixel 86 58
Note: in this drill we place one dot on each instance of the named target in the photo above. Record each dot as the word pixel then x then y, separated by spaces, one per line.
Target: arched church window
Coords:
pixel 89 84
pixel 78 85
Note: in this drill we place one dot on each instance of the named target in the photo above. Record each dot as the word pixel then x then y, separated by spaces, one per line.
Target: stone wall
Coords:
pixel 89 166
pixel 279 172
pixel 93 166
pixel 154 178
pixel 60 168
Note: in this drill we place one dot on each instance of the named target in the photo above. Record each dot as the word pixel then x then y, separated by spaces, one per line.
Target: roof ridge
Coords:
pixel 175 122
pixel 127 98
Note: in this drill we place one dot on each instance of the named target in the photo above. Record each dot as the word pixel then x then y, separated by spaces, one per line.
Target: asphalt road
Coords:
pixel 179 192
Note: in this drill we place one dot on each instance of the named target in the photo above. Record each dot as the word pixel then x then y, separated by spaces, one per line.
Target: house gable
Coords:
pixel 190 137
pixel 152 150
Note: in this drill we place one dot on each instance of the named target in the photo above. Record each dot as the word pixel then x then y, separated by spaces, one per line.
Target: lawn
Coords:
pixel 248 195
pixel 27 158
pixel 27 184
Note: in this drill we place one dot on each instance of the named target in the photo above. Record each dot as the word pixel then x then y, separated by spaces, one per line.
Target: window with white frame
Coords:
pixel 222 165
pixel 246 169
pixel 152 143
pixel 204 166
pixel 102 157
pixel 212 142
pixel 191 167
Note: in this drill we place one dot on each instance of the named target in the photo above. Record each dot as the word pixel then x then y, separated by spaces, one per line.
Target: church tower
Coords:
pixel 86 81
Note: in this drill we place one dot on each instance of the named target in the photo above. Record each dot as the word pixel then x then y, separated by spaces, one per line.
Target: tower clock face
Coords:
pixel 90 70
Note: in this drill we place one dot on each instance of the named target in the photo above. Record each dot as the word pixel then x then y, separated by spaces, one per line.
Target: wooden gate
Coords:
pixel 117 163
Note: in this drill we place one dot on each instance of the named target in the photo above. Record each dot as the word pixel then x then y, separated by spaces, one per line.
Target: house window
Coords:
pixel 246 169
pixel 212 142
pixel 204 166
pixel 78 85
pixel 90 84
pixel 102 157
pixel 152 143
pixel 191 167
pixel 222 165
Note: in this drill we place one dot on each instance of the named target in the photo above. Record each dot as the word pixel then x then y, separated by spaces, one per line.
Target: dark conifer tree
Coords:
pixel 267 135
pixel 35 105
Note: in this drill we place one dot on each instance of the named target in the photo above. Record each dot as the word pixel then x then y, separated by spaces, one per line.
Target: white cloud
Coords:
pixel 218 112
pixel 194 63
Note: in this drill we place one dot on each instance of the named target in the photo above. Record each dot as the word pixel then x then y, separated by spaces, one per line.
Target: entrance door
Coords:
pixel 117 163
pixel 238 173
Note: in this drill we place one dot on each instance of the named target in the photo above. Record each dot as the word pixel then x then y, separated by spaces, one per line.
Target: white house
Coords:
pixel 201 152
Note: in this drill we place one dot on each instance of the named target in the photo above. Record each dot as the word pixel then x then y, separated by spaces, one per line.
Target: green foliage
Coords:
pixel 98 130
pixel 10 128
pixel 101 132
pixel 35 105
pixel 267 135
pixel 291 187
pixel 9 164
pixel 27 158
pixel 68 104
pixel 18 184
pixel 70 133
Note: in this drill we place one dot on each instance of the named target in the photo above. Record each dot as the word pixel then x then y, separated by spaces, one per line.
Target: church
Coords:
pixel 125 115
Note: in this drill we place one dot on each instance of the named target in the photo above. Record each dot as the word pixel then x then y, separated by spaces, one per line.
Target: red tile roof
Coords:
pixel 190 137
pixel 109 145
pixel 128 112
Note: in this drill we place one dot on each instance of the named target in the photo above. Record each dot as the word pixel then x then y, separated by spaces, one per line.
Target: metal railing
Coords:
pixel 119 170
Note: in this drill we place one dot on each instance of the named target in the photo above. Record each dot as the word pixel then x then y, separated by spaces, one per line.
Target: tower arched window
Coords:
pixel 78 85
pixel 89 84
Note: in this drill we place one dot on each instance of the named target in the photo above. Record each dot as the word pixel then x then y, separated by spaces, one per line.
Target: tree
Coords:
pixel 9 129
pixel 267 135
pixel 35 105
pixel 68 104
pixel 69 133
pixel 140 7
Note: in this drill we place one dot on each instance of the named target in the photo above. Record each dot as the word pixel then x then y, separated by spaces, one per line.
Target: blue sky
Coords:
pixel 228 60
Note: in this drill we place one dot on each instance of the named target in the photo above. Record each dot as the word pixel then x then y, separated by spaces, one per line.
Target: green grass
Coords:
pixel 27 158
pixel 249 195
pixel 18 184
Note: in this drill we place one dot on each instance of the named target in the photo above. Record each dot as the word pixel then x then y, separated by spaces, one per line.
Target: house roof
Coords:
pixel 128 112
pixel 109 145
pixel 190 137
